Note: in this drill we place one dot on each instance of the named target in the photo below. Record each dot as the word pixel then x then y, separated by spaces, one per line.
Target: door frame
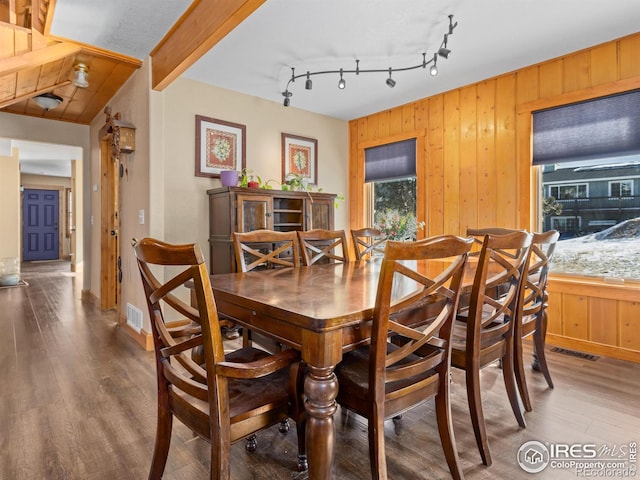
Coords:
pixel 109 213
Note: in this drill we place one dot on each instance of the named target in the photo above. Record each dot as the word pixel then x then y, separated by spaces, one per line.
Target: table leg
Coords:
pixel 321 390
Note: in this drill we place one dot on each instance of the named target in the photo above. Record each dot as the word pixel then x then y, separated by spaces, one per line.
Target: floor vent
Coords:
pixel 134 317
pixel 573 353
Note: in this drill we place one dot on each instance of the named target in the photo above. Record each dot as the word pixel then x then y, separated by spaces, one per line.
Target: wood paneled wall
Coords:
pixel 474 151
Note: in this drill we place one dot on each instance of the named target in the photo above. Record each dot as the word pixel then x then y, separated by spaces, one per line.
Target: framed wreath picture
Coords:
pixel 300 157
pixel 220 146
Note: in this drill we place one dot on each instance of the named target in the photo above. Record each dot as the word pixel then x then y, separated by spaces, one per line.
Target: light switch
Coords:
pixel 141 217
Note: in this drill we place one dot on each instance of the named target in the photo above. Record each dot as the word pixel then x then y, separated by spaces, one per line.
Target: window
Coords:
pixel 565 224
pixel 587 156
pixel 568 192
pixel 621 188
pixel 391 171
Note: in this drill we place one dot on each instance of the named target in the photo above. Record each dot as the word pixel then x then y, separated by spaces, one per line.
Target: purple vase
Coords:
pixel 229 178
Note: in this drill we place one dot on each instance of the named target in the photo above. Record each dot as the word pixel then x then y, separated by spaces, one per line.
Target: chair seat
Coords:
pixel 353 376
pixel 246 394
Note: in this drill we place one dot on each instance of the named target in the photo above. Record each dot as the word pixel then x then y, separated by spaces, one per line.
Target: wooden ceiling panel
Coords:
pixel 32 62
pixel 27 81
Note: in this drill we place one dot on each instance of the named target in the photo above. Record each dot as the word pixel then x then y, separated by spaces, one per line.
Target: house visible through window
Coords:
pixel 588 157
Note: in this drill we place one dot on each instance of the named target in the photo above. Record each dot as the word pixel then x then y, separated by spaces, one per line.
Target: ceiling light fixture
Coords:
pixel 48 101
pixel 81 75
pixel 443 51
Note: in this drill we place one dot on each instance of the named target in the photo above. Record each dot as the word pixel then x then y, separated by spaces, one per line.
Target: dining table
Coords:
pixel 320 310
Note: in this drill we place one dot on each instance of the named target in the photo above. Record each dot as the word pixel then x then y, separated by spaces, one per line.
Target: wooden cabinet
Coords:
pixel 235 209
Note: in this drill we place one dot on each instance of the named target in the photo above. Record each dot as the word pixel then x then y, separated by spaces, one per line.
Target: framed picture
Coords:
pixel 220 146
pixel 300 156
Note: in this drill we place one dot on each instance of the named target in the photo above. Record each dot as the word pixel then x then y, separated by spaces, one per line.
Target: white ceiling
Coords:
pixel 40 158
pixel 492 37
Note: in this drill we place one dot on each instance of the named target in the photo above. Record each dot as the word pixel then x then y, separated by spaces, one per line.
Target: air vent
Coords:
pixel 573 353
pixel 134 317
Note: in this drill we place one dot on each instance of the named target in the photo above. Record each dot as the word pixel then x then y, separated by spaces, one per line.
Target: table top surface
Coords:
pixel 318 297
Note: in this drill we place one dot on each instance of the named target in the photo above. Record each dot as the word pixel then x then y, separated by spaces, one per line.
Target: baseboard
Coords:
pixel 592 347
pixel 142 338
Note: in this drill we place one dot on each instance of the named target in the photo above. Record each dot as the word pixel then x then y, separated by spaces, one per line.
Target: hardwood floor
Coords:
pixel 78 402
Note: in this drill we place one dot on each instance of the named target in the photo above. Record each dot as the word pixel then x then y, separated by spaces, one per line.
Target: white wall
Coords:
pixel 10 210
pixel 186 208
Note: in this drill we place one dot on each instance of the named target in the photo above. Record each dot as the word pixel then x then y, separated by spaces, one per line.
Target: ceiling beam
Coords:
pixel 30 95
pixel 204 24
pixel 36 58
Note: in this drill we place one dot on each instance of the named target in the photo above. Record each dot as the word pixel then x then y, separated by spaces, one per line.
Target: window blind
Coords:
pixel 391 161
pixel 599 128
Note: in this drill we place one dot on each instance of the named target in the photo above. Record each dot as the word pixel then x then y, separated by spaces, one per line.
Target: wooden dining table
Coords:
pixel 320 310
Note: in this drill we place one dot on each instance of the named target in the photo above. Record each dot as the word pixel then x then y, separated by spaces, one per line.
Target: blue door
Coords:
pixel 40 225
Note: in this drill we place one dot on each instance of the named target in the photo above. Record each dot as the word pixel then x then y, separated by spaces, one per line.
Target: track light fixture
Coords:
pixel 390 81
pixel 443 51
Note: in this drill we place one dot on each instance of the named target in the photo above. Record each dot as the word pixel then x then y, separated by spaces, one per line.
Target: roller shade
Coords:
pixel 391 161
pixel 604 127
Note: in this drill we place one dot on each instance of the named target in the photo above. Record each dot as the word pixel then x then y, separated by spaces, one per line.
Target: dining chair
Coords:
pixel 227 397
pixel 264 249
pixel 484 329
pixel 534 311
pixel 384 379
pixel 368 242
pixel 324 246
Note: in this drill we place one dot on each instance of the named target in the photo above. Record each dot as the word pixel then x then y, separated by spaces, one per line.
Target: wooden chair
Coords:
pixel 265 249
pixel 534 311
pixel 367 242
pixel 383 380
pixel 320 245
pixel 227 397
pixel 484 330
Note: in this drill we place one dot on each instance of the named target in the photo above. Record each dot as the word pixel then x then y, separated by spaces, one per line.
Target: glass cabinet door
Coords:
pixel 254 213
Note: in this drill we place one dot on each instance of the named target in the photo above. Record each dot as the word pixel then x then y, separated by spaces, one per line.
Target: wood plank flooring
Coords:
pixel 77 401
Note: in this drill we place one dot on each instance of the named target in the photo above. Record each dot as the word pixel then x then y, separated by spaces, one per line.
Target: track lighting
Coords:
pixel 286 94
pixel 433 71
pixel 390 81
pixel 443 51
pixel 341 83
